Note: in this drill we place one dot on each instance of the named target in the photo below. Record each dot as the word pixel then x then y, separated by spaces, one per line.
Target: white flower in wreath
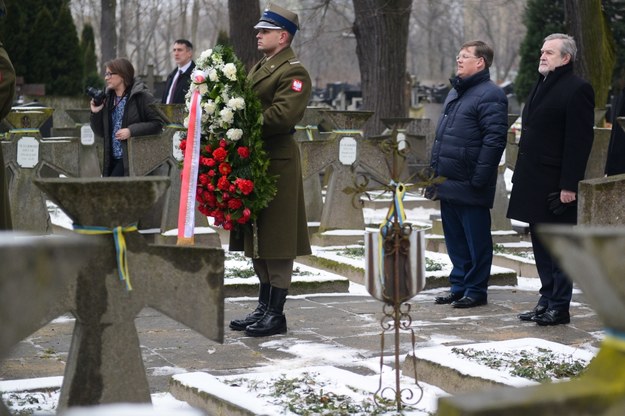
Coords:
pixel 212 74
pixel 234 134
pixel 185 122
pixel 203 87
pixel 218 59
pixel 226 116
pixel 236 103
pixel 204 58
pixel 209 107
pixel 230 71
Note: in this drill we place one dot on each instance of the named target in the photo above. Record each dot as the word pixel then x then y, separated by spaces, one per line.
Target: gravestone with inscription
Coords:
pixel 344 151
pixel 127 274
pixel 27 155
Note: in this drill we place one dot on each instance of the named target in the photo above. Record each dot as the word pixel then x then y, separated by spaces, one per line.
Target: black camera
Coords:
pixel 97 95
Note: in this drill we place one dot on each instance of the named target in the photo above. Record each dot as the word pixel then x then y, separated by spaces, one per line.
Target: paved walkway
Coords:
pixel 332 329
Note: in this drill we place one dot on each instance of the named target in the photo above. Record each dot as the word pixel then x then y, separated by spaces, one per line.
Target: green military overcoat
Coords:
pixel 7 94
pixel 283 87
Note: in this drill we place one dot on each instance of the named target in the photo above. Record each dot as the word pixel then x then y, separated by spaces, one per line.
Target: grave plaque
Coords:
pixel 348 149
pixel 87 137
pixel 27 152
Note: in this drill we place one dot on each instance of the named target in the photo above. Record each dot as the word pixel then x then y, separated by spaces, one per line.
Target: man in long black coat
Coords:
pixel 556 139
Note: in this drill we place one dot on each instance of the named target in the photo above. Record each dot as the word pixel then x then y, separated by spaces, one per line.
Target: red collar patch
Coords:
pixel 297 85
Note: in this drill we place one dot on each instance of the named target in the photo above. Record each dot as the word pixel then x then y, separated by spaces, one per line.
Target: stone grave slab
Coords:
pixel 230 395
pixel 183 282
pixel 593 257
pixel 325 258
pixel 457 373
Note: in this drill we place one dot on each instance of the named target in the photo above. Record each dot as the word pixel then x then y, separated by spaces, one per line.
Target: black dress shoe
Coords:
pixel 467 302
pixel 553 317
pixel 531 315
pixel 449 298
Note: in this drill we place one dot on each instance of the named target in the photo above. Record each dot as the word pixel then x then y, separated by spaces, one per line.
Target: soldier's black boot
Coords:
pixel 259 312
pixel 274 321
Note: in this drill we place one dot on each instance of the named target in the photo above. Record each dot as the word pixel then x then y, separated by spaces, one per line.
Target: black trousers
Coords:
pixel 556 288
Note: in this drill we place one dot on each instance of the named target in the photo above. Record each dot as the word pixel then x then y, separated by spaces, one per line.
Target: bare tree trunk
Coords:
pixel 108 34
pixel 122 39
pixel 195 17
pixel 381 29
pixel 243 15
pixel 595 46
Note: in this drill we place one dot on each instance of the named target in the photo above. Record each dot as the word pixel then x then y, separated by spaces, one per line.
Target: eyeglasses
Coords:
pixel 465 57
pixel 108 74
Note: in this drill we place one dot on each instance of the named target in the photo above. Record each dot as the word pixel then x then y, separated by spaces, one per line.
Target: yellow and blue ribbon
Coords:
pixel 120 245
pixel 396 210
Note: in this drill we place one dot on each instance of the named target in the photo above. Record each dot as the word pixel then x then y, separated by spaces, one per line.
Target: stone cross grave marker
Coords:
pixel 183 282
pixel 308 129
pixel 35 274
pixel 345 151
pixel 90 149
pixel 27 156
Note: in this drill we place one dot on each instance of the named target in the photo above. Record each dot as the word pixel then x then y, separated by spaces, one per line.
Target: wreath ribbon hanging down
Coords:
pixel 186 211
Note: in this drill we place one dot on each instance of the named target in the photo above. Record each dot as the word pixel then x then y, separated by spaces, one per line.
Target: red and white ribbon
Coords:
pixel 190 167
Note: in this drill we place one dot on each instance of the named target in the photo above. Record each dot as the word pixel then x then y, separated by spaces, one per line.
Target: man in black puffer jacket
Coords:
pixel 470 139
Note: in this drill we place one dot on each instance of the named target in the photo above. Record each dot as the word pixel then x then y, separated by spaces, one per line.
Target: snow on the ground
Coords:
pixel 45 391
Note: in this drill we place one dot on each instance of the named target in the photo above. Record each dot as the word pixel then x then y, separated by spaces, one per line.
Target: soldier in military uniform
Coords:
pixel 7 93
pixel 283 87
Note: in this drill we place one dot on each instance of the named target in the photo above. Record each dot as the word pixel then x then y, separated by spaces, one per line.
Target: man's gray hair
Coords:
pixel 568 44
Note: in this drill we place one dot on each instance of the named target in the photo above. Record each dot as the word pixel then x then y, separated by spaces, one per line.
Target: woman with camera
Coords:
pixel 121 112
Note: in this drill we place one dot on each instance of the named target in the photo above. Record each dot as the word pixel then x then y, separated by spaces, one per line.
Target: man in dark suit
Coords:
pixel 179 79
pixel 283 86
pixel 556 139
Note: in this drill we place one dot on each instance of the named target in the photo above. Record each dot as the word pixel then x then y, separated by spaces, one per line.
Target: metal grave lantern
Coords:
pixel 395 272
pixel 395 256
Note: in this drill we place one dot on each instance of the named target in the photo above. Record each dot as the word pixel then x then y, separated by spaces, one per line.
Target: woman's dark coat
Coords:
pixel 556 139
pixel 139 117
pixel 470 139
pixel 283 87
